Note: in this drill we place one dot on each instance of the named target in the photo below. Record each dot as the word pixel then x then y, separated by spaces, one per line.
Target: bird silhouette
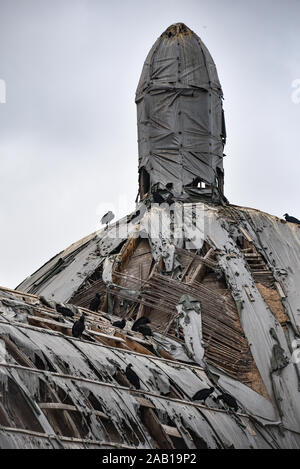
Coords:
pixel 291 219
pixel 64 311
pixel 107 218
pixel 145 330
pixel 157 198
pixel 140 322
pixel 78 327
pixel 229 400
pixel 95 303
pixel 203 394
pixel 132 377
pixel 119 324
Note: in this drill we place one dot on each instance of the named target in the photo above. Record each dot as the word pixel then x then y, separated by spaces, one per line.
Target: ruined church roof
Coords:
pixel 234 276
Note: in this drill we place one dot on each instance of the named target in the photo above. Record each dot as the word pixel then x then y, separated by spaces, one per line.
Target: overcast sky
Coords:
pixel 68 133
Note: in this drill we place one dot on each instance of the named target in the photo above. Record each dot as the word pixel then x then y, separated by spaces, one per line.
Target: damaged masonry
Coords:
pixel 220 284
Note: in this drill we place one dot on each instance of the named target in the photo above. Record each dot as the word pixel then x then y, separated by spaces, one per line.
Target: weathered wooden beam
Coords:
pixel 144 402
pixel 184 273
pixel 45 314
pixel 72 408
pixel 16 352
pixel 172 431
pixel 134 345
pixel 112 338
pixel 55 325
pixel 65 438
pixel 19 293
pixel 156 429
pixel 249 294
pixel 201 269
pixel 247 236
pixel 280 290
pixel 57 406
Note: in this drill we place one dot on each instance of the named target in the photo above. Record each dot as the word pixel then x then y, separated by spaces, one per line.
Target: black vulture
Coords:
pixel 119 324
pixel 78 327
pixel 145 330
pixel 140 322
pixel 107 218
pixel 229 400
pixel 132 377
pixel 157 198
pixel 64 311
pixel 291 219
pixel 203 394
pixel 95 303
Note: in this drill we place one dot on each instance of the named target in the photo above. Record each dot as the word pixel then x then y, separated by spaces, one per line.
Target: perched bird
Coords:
pixel 140 322
pixel 157 198
pixel 203 394
pixel 120 324
pixel 145 330
pixel 78 327
pixel 64 311
pixel 229 400
pixel 132 377
pixel 95 303
pixel 107 218
pixel 291 219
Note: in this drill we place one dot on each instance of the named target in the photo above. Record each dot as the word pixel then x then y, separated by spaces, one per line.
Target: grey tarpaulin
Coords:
pixel 181 130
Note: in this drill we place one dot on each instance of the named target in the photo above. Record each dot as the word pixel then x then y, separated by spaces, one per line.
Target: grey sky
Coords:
pixel 68 129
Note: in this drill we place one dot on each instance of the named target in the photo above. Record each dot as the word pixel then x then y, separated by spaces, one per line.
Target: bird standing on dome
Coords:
pixel 290 219
pixel 145 330
pixel 132 377
pixel 229 400
pixel 119 324
pixel 107 218
pixel 95 303
pixel 78 327
pixel 66 312
pixel 140 322
pixel 203 394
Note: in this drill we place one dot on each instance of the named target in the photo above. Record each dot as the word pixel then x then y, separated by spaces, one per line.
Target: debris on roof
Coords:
pixel 219 284
pixel 61 392
pixel 210 309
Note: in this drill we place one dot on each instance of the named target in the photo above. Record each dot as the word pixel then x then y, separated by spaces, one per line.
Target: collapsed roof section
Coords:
pixel 219 285
pixel 57 391
pixel 181 126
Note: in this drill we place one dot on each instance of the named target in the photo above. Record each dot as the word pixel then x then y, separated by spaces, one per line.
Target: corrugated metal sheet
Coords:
pixel 82 376
pixel 222 228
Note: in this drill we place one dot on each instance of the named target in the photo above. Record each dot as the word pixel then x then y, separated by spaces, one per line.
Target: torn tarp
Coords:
pixel 181 128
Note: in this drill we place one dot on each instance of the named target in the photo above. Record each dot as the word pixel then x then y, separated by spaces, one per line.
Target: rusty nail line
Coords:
pixel 69 338
pixel 60 375
pixel 123 388
pixel 17 292
pixel 63 438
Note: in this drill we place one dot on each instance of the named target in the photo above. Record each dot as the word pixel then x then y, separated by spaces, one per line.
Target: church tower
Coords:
pixel 181 126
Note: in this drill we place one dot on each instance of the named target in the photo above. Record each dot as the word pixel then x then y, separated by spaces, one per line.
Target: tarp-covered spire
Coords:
pixel 181 128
